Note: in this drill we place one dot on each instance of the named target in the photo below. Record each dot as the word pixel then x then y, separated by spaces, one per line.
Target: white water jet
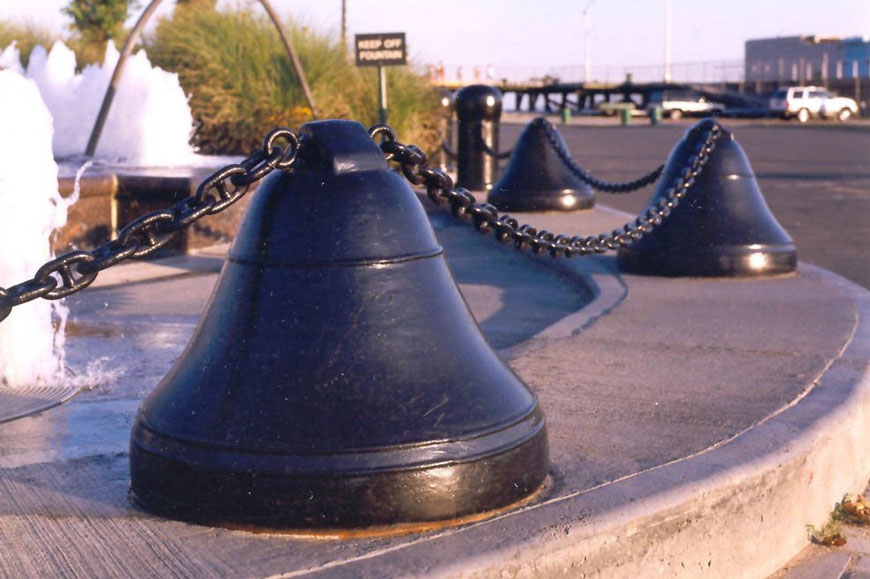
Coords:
pixel 31 338
pixel 10 58
pixel 149 123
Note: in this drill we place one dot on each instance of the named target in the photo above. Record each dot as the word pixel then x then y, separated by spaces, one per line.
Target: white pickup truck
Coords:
pixel 804 102
pixel 677 103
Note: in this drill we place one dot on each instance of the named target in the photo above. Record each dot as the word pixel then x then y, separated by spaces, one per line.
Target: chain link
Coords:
pixel 577 170
pixel 74 271
pixel 485 217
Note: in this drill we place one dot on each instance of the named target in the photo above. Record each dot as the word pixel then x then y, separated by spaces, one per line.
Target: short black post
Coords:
pixel 478 109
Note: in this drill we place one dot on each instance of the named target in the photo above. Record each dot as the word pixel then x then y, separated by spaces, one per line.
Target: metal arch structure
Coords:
pixel 128 49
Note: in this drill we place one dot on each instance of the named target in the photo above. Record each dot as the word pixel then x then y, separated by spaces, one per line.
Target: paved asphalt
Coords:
pixel 816 178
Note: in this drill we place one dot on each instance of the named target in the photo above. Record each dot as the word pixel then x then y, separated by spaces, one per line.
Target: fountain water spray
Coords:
pixel 31 338
pixel 149 125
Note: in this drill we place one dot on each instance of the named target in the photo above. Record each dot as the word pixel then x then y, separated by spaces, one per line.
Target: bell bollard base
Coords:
pixel 358 489
pixel 544 202
pixel 736 261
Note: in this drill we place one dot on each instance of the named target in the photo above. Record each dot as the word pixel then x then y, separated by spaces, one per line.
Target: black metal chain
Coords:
pixel 485 217
pixel 451 153
pixel 493 153
pixel 74 271
pixel 604 186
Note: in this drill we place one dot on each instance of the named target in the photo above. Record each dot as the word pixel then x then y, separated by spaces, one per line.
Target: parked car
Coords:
pixel 679 103
pixel 805 102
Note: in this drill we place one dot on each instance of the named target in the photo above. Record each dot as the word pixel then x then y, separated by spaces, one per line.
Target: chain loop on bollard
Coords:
pixel 76 270
pixel 604 186
pixel 440 189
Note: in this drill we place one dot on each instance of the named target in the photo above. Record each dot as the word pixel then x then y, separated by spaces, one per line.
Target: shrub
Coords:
pixel 26 35
pixel 95 22
pixel 242 82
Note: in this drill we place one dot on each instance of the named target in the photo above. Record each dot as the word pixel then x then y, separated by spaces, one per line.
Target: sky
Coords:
pixel 531 35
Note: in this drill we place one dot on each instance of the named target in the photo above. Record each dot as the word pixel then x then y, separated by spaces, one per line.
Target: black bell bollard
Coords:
pixel 723 226
pixel 537 178
pixel 478 110
pixel 337 378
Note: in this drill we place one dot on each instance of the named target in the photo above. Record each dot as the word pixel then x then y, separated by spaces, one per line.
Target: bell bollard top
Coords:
pixel 478 102
pixel 342 187
pixel 723 227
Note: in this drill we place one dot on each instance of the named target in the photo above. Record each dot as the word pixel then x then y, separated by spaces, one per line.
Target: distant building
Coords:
pixel 807 59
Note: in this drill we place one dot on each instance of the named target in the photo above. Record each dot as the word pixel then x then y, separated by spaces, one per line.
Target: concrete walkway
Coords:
pixel 696 427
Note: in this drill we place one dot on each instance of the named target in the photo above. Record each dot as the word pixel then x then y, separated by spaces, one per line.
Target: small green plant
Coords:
pixel 829 535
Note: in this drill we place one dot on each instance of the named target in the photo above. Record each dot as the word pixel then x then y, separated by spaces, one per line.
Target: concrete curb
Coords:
pixel 609 292
pixel 738 509
pixel 600 276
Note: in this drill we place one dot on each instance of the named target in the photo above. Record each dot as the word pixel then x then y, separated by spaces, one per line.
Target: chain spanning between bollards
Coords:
pixel 604 186
pixel 493 153
pixel 485 217
pixel 74 271
pixel 451 153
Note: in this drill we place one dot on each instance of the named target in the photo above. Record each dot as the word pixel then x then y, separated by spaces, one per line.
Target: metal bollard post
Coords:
pixel 625 116
pixel 655 116
pixel 478 109
pixel 566 116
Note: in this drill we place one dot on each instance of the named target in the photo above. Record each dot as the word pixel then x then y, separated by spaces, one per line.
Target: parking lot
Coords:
pixel 815 177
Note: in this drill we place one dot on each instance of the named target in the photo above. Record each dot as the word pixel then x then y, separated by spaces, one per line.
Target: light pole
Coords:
pixel 587 29
pixel 344 24
pixel 667 40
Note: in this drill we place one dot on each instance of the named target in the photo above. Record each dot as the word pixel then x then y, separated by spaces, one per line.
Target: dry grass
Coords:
pixel 27 35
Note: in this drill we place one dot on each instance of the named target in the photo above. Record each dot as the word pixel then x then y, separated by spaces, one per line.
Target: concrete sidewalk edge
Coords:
pixel 737 509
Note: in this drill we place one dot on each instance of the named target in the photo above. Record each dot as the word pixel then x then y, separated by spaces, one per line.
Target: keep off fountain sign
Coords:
pixel 384 49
